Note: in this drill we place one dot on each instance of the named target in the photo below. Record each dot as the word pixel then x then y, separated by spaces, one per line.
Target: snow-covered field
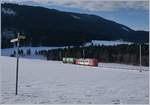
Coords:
pixel 45 82
pixel 107 43
pixel 9 51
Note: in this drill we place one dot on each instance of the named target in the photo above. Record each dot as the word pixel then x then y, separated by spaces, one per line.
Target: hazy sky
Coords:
pixel 133 14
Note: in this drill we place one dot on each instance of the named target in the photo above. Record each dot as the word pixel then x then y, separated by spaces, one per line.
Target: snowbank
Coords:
pixel 46 82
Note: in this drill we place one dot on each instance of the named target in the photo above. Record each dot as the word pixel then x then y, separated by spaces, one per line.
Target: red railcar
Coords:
pixel 87 62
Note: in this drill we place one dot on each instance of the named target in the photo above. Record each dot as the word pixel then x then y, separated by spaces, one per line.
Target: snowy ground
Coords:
pixel 9 51
pixel 45 82
pixel 107 43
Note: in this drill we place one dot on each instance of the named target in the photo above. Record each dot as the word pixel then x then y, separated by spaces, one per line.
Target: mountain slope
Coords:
pixel 51 27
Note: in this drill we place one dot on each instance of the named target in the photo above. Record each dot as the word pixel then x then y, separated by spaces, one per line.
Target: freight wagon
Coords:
pixel 69 60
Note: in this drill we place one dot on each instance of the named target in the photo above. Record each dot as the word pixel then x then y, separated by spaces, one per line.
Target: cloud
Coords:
pixel 98 5
pixel 94 5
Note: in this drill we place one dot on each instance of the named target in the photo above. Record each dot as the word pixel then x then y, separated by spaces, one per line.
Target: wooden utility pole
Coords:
pixel 83 53
pixel 60 55
pixel 140 52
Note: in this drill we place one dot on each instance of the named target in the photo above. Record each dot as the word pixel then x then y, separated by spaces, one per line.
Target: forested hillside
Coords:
pixel 50 27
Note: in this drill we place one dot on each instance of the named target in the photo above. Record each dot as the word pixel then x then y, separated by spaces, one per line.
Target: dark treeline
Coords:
pixel 126 54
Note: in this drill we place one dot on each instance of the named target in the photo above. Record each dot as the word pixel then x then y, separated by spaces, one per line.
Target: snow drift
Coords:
pixel 46 82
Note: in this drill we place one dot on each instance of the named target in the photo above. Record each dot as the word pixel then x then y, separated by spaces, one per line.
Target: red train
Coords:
pixel 86 62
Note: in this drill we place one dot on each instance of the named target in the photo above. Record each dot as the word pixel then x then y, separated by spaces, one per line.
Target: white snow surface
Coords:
pixel 8 11
pixel 76 17
pixel 107 43
pixel 126 29
pixel 9 51
pixel 52 82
